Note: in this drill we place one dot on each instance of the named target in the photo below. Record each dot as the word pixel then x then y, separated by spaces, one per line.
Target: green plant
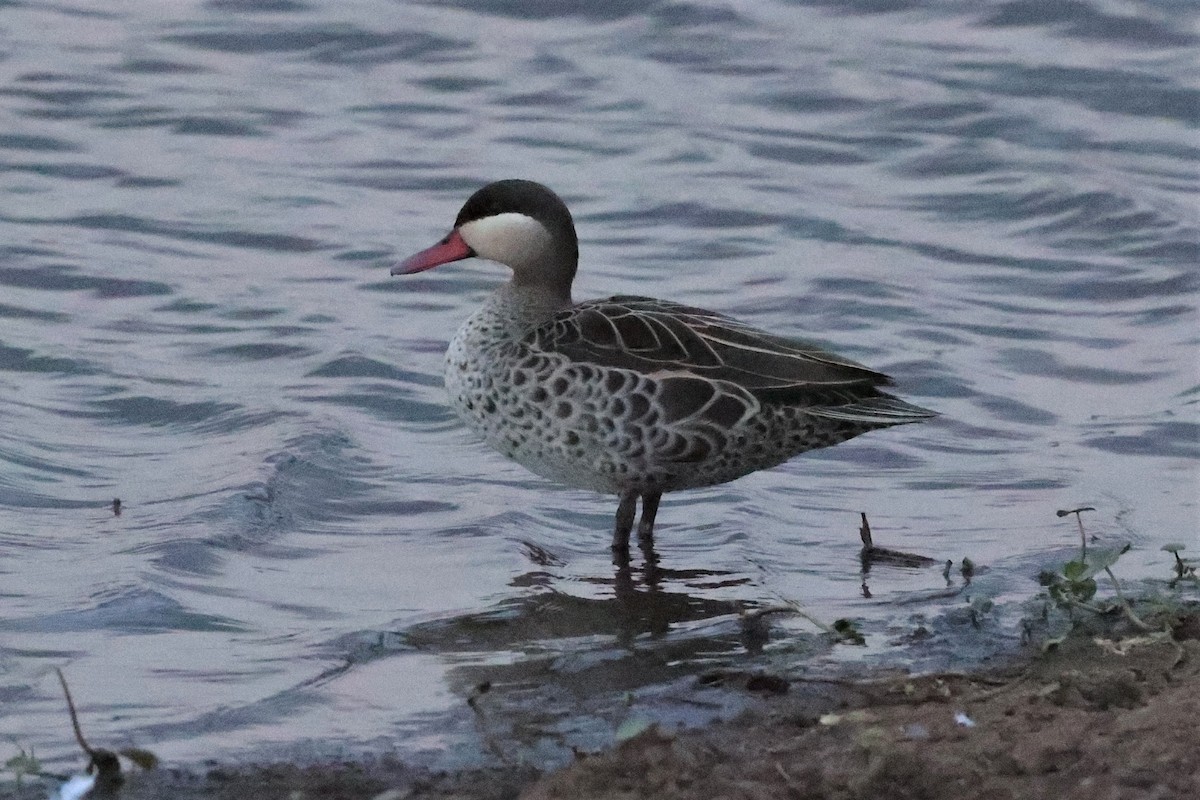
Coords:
pixel 23 764
pixel 1074 586
pixel 847 631
pixel 1185 568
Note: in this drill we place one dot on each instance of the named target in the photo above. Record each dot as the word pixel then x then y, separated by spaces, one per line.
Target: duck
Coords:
pixel 627 395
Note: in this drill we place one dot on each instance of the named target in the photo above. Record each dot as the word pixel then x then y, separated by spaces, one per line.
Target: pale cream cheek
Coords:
pixel 513 239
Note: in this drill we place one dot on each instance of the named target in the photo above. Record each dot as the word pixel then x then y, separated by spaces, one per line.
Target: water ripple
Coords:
pixel 1083 20
pixel 1120 91
pixel 181 231
pixel 341 44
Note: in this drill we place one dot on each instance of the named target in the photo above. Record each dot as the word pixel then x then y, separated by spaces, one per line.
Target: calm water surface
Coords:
pixel 994 202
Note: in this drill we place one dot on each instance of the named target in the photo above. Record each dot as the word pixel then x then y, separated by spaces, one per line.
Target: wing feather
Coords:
pixel 647 336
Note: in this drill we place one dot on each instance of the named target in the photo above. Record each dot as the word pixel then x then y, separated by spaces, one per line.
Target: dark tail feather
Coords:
pixel 883 411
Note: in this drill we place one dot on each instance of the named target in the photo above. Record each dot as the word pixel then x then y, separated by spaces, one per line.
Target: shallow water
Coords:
pixel 993 203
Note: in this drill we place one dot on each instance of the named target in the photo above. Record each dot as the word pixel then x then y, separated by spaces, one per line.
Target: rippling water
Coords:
pixel 994 202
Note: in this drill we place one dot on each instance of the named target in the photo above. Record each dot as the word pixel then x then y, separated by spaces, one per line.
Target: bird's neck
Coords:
pixel 521 307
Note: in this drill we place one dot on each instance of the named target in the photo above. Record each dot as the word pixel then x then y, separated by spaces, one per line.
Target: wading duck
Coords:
pixel 630 395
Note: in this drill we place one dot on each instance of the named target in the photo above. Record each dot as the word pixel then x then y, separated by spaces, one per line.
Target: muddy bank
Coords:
pixel 1105 713
pixel 1093 719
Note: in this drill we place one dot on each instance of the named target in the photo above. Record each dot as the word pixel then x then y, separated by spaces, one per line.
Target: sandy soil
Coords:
pixel 1097 717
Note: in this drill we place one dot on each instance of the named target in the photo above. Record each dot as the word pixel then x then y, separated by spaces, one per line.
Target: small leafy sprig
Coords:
pixel 1185 568
pixel 1074 586
pixel 23 764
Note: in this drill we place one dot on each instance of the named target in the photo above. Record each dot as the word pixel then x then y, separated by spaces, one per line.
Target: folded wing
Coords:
pixel 651 336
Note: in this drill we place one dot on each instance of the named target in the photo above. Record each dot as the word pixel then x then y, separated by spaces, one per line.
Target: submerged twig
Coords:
pixel 87 748
pixel 842 629
pixel 104 763
pixel 897 558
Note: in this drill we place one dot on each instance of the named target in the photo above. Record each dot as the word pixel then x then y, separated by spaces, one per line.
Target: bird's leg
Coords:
pixel 649 511
pixel 624 524
pixel 646 537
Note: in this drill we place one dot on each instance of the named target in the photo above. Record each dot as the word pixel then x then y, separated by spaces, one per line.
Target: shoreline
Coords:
pixel 1105 712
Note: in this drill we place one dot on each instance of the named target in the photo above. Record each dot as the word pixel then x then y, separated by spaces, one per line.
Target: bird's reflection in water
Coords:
pixel 648 598
pixel 642 606
pixel 625 587
pixel 553 665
